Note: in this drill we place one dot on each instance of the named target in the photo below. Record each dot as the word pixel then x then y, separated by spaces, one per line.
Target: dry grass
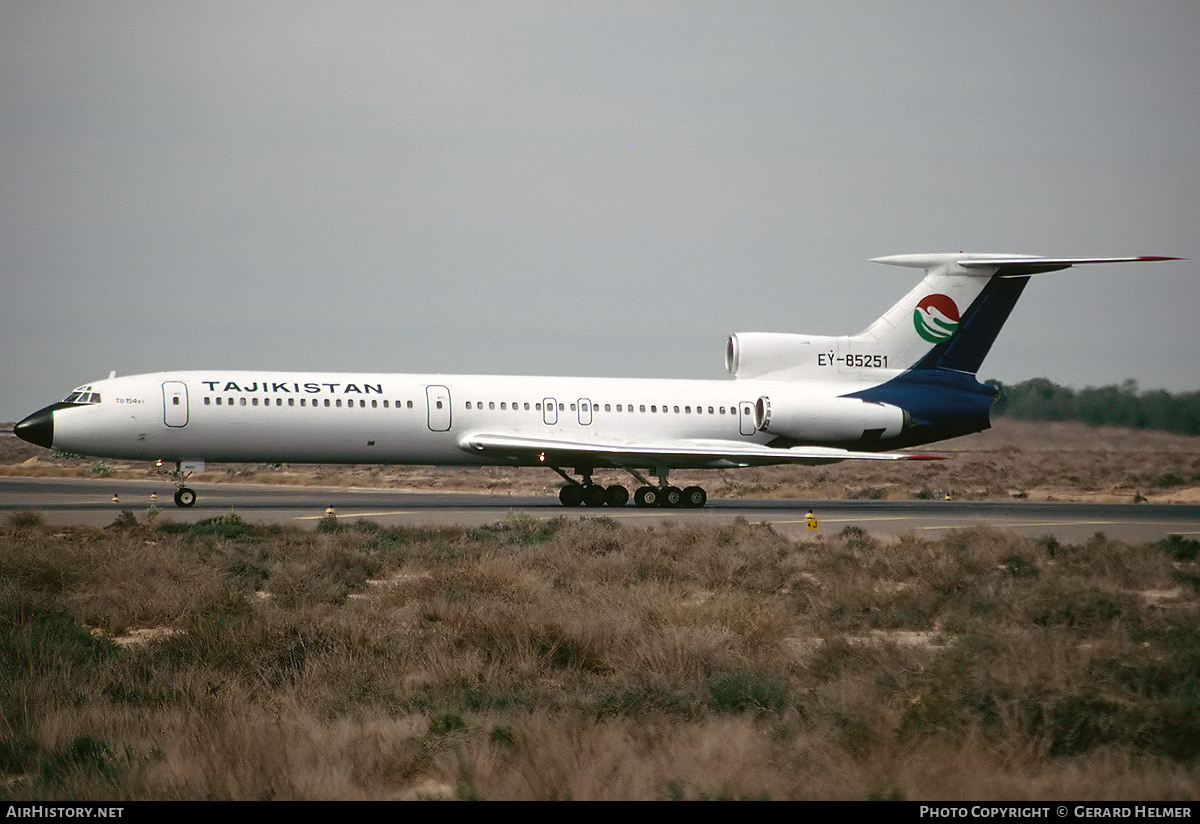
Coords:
pixel 582 659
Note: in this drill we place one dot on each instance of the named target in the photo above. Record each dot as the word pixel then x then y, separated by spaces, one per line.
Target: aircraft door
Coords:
pixel 549 411
pixel 438 399
pixel 585 412
pixel 175 403
pixel 746 417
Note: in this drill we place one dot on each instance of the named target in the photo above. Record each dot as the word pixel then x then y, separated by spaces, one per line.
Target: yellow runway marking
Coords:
pixel 354 515
pixel 841 520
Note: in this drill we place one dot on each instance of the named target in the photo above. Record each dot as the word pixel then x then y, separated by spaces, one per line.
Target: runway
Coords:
pixel 81 501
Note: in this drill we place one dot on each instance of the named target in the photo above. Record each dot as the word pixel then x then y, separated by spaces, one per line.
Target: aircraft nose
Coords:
pixel 38 428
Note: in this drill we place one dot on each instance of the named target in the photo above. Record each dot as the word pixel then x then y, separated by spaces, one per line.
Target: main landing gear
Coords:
pixel 586 492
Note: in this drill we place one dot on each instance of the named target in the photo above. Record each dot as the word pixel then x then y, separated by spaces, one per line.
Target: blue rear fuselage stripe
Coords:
pixel 940 391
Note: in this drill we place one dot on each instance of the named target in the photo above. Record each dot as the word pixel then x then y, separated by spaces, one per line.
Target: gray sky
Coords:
pixel 581 188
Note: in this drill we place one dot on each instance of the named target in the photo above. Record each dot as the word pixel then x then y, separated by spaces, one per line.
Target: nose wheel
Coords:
pixel 184 496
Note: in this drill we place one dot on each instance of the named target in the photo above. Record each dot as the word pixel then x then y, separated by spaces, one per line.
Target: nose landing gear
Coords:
pixel 184 496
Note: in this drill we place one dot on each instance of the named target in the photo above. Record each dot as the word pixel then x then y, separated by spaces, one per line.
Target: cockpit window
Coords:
pixel 83 396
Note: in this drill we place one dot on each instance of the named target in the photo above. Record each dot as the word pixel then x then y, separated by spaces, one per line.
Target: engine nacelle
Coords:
pixel 754 354
pixel 828 420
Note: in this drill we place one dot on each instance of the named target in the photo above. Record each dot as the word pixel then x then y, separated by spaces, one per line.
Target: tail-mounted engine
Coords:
pixel 828 420
pixel 754 354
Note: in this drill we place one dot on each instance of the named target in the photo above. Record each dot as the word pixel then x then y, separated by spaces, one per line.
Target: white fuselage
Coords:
pixel 307 417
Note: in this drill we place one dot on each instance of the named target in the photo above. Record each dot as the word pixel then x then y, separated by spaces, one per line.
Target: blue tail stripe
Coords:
pixel 978 328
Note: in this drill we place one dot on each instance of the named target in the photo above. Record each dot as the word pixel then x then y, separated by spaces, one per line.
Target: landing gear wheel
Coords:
pixel 184 497
pixel 646 496
pixel 616 495
pixel 671 497
pixel 593 495
pixel 693 498
pixel 571 495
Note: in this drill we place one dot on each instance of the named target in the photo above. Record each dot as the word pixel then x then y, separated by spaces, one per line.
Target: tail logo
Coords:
pixel 936 318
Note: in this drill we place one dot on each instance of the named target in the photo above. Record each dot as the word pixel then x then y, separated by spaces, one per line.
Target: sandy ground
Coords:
pixel 1042 461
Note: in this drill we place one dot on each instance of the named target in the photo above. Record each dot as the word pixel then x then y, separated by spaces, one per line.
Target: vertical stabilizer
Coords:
pixel 948 322
pixel 951 318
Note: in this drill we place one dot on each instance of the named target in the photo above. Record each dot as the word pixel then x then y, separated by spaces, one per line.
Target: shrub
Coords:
pixel 85 754
pixel 1179 548
pixel 26 519
pixel 739 690
pixel 230 526
pixel 1165 480
pixel 125 520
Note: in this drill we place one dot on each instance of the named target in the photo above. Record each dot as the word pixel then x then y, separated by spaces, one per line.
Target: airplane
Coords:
pixel 907 380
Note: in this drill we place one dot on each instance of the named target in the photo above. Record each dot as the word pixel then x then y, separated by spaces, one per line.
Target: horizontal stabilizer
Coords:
pixel 1007 267
pixel 1004 265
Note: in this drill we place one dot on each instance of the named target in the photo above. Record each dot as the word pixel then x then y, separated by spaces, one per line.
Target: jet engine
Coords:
pixel 827 420
pixel 754 354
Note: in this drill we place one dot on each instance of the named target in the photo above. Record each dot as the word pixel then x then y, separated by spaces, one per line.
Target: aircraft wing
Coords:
pixel 674 454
